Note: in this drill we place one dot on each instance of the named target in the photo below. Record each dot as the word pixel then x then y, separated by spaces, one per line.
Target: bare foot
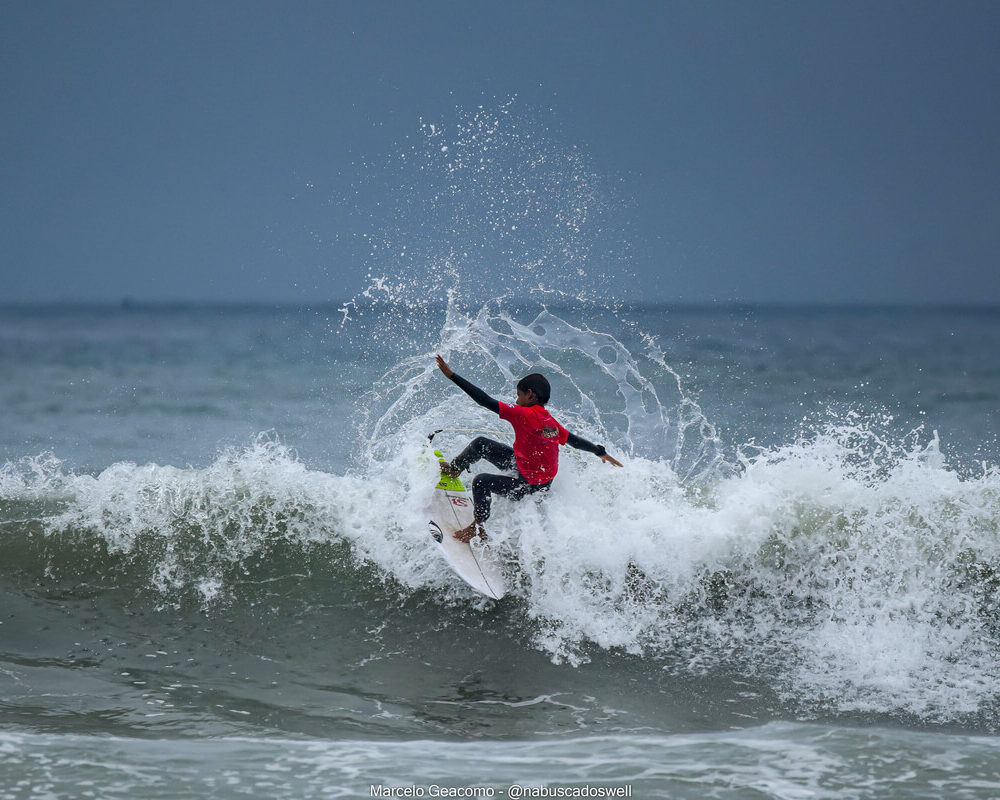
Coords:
pixel 468 533
pixel 448 469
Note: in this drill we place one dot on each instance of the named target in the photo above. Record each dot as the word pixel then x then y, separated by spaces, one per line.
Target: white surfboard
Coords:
pixel 450 511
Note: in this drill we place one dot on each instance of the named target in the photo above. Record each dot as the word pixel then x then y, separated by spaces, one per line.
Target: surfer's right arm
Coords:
pixel 474 392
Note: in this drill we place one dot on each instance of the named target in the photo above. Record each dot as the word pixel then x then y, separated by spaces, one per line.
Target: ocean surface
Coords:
pixel 216 578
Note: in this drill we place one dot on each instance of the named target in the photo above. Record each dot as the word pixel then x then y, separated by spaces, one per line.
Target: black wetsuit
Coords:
pixel 501 456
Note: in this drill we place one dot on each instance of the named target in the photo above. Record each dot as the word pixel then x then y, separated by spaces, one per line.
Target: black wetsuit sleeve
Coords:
pixel 476 393
pixel 582 444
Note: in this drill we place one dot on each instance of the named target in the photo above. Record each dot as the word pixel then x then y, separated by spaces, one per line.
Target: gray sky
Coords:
pixel 770 151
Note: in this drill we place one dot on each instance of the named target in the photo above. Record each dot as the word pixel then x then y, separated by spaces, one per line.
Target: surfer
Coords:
pixel 535 454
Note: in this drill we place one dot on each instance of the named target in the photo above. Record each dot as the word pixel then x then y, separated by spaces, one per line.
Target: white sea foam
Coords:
pixel 778 760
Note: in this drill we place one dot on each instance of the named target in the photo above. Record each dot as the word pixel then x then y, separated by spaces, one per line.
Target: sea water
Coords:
pixel 216 578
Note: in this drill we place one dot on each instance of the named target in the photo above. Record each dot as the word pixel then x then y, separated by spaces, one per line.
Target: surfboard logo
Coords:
pixel 461 502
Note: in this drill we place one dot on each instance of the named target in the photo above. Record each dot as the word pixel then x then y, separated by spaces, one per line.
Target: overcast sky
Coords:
pixel 768 151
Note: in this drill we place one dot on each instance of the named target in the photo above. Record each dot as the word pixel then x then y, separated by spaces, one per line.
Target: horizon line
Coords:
pixel 132 304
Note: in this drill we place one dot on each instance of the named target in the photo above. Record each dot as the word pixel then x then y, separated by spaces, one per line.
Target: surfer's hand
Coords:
pixel 610 460
pixel 443 366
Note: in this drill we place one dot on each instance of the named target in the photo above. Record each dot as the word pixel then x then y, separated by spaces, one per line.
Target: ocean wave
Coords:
pixel 852 572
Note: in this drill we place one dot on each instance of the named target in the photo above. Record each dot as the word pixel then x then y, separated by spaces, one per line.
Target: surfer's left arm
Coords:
pixel 597 449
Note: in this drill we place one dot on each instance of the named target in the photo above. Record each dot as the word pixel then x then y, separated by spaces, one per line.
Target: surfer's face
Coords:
pixel 526 398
